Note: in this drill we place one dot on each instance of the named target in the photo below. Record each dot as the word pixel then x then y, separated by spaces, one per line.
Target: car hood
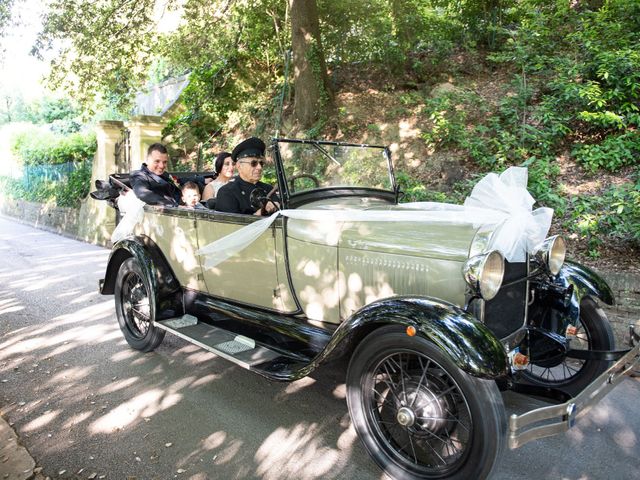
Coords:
pixel 421 236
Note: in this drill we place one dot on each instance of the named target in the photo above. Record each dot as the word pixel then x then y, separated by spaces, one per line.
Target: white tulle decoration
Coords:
pixel 499 200
pixel 523 229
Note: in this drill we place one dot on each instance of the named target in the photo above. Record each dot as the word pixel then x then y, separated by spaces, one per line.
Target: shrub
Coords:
pixel 615 214
pixel 416 191
pixel 34 147
pixel 615 152
pixel 67 192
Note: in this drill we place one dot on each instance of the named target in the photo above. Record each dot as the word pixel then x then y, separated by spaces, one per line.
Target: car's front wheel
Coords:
pixel 418 415
pixel 134 308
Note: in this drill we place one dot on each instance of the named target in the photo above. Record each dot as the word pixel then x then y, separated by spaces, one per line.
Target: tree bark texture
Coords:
pixel 313 96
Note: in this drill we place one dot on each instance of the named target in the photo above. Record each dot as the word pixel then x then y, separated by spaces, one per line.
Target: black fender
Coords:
pixel 584 282
pixel 468 342
pixel 160 277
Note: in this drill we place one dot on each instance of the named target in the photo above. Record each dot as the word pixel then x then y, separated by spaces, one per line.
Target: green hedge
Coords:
pixel 35 147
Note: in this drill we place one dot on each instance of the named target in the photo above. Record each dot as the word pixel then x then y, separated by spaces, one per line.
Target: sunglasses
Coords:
pixel 253 163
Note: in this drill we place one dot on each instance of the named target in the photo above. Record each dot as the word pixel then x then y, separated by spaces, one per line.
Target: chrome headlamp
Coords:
pixel 550 254
pixel 483 273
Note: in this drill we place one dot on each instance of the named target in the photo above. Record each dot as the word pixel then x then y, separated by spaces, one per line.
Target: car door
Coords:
pixel 173 230
pixel 256 275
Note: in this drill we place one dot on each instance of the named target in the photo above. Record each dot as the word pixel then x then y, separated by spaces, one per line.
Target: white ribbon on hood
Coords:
pixel 496 199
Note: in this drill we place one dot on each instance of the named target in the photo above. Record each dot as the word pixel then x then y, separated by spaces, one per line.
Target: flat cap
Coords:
pixel 251 147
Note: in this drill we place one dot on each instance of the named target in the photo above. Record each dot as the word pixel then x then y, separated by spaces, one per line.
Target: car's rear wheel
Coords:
pixel 134 308
pixel 593 332
pixel 418 415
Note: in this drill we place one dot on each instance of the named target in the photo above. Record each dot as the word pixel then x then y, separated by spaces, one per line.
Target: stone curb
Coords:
pixel 15 461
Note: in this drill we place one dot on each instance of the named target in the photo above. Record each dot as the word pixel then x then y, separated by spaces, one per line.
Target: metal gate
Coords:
pixel 123 152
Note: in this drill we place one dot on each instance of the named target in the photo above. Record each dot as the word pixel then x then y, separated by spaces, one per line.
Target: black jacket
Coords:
pixel 155 189
pixel 234 196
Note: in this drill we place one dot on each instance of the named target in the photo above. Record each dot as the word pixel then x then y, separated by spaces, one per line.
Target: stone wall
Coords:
pixel 626 311
pixel 93 222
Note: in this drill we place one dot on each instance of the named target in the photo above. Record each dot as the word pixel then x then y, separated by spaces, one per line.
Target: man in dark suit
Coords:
pixel 152 184
pixel 234 197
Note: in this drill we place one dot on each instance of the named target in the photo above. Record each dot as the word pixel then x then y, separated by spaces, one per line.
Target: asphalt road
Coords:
pixel 84 403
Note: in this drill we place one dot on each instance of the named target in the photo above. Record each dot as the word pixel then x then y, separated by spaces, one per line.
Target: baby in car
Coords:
pixel 191 196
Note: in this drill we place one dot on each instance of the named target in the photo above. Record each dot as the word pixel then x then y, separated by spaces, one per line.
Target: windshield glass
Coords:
pixel 308 166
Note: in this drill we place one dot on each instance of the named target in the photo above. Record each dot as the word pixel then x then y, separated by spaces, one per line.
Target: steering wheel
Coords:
pixel 313 178
pixel 258 199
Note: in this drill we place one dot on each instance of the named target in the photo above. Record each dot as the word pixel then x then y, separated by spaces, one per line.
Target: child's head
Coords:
pixel 190 194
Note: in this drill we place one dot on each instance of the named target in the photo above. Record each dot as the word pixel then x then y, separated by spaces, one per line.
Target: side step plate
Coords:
pixel 235 348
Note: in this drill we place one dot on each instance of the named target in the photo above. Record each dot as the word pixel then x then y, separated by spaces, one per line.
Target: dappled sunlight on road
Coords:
pixel 295 387
pixel 141 406
pixel 9 304
pixel 297 453
pixel 340 392
pixel 606 415
pixel 118 385
pixel 42 420
pixel 29 341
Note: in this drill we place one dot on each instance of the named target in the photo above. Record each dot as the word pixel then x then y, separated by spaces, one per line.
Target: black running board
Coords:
pixel 236 348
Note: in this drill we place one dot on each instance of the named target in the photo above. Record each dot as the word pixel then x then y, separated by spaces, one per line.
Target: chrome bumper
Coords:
pixel 523 428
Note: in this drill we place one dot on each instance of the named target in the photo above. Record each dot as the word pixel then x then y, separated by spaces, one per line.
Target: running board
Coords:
pixel 235 348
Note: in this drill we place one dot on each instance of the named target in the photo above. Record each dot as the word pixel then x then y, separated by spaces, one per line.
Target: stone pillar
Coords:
pixel 97 219
pixel 145 130
pixel 108 133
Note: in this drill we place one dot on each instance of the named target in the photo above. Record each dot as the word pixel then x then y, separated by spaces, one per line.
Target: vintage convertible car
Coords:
pixel 438 307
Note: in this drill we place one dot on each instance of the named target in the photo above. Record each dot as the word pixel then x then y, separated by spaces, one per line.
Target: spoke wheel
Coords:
pixel 593 332
pixel 135 305
pixel 418 415
pixel 134 308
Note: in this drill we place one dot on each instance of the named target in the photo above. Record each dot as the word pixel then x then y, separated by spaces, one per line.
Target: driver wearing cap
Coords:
pixel 234 197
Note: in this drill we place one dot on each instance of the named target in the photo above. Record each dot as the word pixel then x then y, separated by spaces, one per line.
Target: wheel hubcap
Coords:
pixel 427 407
pixel 406 417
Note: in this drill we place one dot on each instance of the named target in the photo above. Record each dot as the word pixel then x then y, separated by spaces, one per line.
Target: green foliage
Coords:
pixel 103 60
pixel 510 133
pixel 47 110
pixel 448 119
pixel 35 147
pixel 65 193
pixel 574 69
pixel 615 152
pixel 5 15
pixel 578 79
pixel 615 214
pixel 75 187
pixel 415 191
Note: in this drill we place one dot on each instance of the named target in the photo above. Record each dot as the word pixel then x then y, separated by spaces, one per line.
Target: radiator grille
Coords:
pixel 506 312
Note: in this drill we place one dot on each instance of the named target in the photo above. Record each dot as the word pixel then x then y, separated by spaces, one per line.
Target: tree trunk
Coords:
pixel 400 12
pixel 313 96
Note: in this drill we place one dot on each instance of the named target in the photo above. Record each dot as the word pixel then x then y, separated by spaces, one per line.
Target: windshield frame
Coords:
pixel 293 200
